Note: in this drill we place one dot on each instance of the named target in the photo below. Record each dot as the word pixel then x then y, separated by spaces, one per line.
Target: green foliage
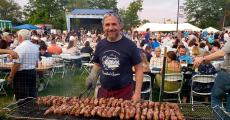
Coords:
pixel 46 12
pixel 130 16
pixel 9 10
pixel 102 4
pixel 205 13
pixel 73 4
pixel 91 4
pixel 145 21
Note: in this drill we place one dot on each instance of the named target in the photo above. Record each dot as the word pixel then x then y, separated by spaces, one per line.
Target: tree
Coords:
pixel 73 4
pixel 130 16
pixel 9 10
pixel 46 12
pixel 102 4
pixel 205 13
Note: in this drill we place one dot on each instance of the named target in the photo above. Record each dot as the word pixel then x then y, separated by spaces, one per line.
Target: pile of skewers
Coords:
pixel 110 108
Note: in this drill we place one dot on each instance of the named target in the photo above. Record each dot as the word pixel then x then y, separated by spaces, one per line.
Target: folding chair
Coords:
pixel 86 62
pixel 146 89
pixel 59 66
pixel 172 84
pixel 207 79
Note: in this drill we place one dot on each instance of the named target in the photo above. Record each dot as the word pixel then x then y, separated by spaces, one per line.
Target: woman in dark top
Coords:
pixel 87 48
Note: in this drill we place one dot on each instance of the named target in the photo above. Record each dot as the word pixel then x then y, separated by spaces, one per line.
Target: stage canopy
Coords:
pixel 154 27
pixel 86 16
pixel 210 29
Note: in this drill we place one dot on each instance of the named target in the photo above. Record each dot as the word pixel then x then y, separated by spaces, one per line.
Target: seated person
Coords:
pixel 71 49
pixel 172 66
pixel 206 68
pixel 43 52
pixel 215 46
pixel 87 49
pixel 145 63
pixel 182 56
pixel 156 61
pixel 148 51
pixel 54 49
pixel 195 51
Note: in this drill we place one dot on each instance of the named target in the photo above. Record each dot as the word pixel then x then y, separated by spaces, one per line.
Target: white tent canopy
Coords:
pixel 210 29
pixel 167 27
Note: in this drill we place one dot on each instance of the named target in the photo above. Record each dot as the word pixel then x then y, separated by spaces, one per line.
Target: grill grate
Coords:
pixel 31 111
pixel 196 112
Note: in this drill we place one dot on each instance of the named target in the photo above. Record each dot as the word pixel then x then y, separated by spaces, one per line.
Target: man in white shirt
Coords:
pixel 23 73
pixel 156 62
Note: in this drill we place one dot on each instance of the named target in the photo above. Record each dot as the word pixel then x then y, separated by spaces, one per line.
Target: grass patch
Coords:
pixel 71 85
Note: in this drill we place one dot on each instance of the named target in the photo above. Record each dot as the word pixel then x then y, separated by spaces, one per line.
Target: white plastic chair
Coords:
pixel 173 83
pixel 201 79
pixel 147 81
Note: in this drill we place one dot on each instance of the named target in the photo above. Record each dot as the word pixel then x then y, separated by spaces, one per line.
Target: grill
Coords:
pixel 29 110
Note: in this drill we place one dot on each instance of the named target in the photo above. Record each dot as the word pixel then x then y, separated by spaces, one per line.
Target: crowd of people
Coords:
pixel 117 55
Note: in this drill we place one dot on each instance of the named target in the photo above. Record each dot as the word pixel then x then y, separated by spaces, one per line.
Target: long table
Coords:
pixel 8 66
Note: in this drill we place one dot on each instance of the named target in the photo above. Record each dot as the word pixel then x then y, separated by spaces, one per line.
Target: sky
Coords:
pixel 153 10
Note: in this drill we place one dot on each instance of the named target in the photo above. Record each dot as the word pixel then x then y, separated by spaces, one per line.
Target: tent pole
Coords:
pixel 177 21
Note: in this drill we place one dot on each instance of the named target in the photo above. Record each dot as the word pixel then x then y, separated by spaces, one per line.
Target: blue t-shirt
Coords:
pixel 210 39
pixel 147 36
pixel 205 34
pixel 185 58
pixel 186 34
pixel 116 60
pixel 155 44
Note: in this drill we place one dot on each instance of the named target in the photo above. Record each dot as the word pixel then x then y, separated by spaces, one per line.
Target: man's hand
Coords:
pixel 89 83
pixel 13 54
pixel 136 97
pixel 93 76
pixel 198 61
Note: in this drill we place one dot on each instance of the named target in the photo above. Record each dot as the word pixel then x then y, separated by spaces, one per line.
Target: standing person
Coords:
pixel 7 37
pixel 113 60
pixel 23 73
pixel 147 35
pixel 222 82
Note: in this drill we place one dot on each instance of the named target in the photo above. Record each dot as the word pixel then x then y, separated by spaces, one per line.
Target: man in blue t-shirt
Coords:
pixel 147 35
pixel 182 56
pixel 113 60
pixel 155 44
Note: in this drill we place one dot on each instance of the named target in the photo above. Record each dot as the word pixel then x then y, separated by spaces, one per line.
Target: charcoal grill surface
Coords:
pixel 32 111
pixel 196 111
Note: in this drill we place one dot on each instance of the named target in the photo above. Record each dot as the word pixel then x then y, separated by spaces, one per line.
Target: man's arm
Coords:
pixel 11 52
pixel 139 79
pixel 213 56
pixel 14 69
